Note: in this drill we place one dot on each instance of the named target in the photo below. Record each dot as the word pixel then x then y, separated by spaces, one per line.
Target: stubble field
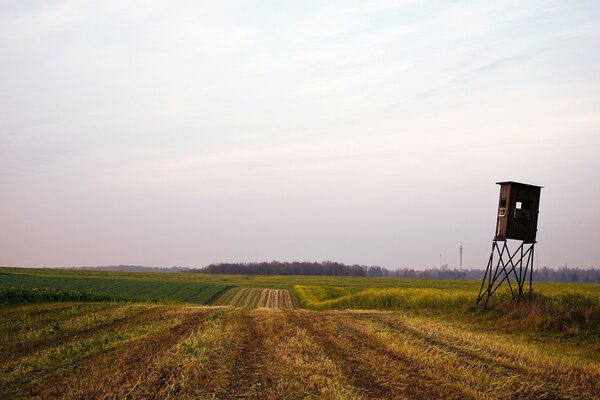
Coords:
pixel 142 351
pixel 95 335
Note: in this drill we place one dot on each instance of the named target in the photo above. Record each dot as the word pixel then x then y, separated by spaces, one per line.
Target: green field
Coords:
pixel 279 281
pixel 314 292
pixel 557 307
pixel 257 281
pixel 195 288
pixel 151 287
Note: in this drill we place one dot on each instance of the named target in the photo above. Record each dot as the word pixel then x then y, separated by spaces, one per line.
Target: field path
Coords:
pixel 255 298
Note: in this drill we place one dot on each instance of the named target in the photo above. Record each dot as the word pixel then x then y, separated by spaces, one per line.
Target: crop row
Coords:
pixel 253 297
pixel 106 288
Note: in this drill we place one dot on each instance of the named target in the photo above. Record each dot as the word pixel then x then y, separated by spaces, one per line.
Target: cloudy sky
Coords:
pixel 184 132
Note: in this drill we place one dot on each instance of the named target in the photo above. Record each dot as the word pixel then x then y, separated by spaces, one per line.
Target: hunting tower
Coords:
pixel 517 217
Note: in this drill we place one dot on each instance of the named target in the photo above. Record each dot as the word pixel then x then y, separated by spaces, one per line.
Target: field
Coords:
pixel 204 288
pixel 152 288
pixel 254 298
pixel 289 337
pixel 87 350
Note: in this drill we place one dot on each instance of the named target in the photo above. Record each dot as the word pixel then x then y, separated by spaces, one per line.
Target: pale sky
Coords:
pixel 184 132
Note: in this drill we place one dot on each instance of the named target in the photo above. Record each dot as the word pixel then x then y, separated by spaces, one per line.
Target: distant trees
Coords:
pixel 331 268
pixel 566 274
pixel 563 274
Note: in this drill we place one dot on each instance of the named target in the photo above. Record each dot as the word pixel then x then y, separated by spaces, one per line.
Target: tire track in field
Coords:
pixel 9 312
pixel 358 372
pixel 489 363
pixel 25 322
pixel 243 299
pixel 246 377
pixel 286 299
pixel 128 364
pixel 197 365
pixel 253 298
pixel 226 297
pixel 372 368
pixel 283 299
pixel 50 368
pixel 263 356
pixel 271 301
pixel 256 298
pixel 292 366
pixel 274 353
pixel 263 298
pixel 239 294
pixel 470 354
pixel 24 349
pixel 436 357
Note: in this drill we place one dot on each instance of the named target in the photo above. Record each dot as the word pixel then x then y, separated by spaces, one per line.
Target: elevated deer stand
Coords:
pixel 518 210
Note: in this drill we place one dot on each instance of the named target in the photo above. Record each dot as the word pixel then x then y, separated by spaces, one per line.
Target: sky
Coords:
pixel 166 133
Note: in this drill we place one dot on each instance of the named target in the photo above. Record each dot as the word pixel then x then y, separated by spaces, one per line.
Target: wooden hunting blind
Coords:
pixel 517 217
pixel 517 211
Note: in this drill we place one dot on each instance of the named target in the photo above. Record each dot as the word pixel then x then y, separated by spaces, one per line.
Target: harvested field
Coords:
pixel 137 351
pixel 254 297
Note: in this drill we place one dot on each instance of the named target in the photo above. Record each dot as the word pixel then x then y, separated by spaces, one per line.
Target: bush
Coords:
pixel 566 311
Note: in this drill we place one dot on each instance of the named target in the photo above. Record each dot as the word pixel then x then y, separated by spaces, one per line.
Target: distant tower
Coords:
pixel 461 257
pixel 517 220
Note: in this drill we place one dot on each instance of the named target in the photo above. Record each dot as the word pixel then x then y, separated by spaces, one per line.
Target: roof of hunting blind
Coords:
pixel 517 183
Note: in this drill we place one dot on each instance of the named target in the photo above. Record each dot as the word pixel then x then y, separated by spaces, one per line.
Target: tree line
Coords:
pixel 331 268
